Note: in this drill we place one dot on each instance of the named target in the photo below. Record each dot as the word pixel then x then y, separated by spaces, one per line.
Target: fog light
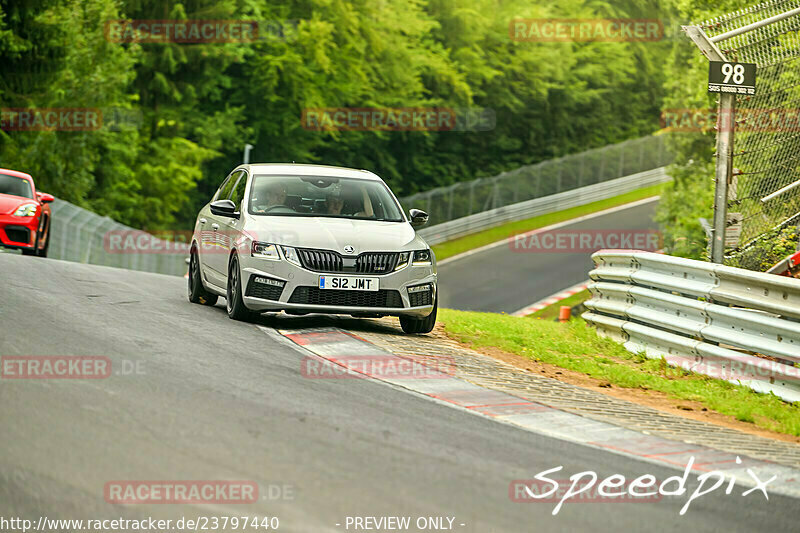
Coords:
pixel 419 288
pixel 269 281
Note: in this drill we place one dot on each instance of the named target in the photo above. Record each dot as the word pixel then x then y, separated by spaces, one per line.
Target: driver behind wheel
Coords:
pixel 269 196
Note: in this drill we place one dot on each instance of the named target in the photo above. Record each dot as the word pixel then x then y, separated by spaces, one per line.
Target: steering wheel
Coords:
pixel 273 207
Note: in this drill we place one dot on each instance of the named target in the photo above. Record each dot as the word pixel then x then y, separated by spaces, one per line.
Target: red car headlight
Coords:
pixel 26 210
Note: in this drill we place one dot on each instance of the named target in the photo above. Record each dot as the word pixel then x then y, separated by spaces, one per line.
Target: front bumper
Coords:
pixel 18 232
pixel 299 292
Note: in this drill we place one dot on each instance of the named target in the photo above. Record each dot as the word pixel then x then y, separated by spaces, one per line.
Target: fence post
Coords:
pixel 724 146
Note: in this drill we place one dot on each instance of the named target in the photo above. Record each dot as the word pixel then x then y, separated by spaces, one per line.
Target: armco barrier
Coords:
pixel 79 235
pixel 725 322
pixel 547 178
pixel 541 206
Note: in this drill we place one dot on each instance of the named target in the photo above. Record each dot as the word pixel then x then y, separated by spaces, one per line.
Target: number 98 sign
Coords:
pixel 732 78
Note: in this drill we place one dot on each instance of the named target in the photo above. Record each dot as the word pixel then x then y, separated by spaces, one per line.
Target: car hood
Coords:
pixel 334 233
pixel 9 203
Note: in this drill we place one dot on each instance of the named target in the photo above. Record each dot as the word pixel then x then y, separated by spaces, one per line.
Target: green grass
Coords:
pixel 576 346
pixel 498 233
pixel 551 311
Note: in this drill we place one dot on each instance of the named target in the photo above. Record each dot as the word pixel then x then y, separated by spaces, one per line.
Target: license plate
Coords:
pixel 348 283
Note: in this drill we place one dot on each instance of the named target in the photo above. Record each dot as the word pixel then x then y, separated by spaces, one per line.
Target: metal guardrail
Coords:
pixel 82 236
pixel 725 322
pixel 546 178
pixel 541 206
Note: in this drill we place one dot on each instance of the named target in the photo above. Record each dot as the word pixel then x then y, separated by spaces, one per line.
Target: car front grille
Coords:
pixel 18 234
pixel 344 298
pixel 321 260
pixel 365 263
pixel 376 262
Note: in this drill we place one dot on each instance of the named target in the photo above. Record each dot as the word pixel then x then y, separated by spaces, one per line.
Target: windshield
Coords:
pixel 320 196
pixel 15 186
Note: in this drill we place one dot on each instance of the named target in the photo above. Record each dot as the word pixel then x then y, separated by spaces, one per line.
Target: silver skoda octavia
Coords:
pixel 312 239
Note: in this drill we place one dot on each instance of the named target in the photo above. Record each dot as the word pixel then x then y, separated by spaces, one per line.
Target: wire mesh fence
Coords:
pixel 764 192
pixel 85 237
pixel 542 179
pixel 82 236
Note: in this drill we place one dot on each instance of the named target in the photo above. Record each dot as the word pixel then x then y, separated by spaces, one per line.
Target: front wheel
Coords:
pixel 197 293
pixel 235 304
pixel 43 251
pixel 420 325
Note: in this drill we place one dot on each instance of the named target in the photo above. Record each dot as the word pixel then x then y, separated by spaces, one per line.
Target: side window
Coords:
pixel 238 191
pixel 219 191
pixel 224 191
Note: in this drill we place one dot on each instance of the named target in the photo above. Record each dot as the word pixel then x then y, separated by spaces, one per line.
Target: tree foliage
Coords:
pixel 193 107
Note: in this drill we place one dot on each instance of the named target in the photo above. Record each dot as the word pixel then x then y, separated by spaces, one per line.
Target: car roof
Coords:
pixel 296 169
pixel 16 173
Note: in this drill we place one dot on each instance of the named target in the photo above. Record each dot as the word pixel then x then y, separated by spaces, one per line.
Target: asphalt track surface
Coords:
pixel 222 400
pixel 499 279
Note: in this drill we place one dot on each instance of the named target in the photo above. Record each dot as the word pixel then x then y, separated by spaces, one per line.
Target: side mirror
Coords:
pixel 45 198
pixel 224 208
pixel 418 218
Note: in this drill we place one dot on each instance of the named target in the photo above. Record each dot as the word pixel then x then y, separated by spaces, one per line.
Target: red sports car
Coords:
pixel 24 214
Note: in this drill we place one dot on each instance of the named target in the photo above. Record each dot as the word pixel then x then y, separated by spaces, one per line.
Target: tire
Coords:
pixel 235 305
pixel 420 325
pixel 43 251
pixel 197 293
pixel 32 251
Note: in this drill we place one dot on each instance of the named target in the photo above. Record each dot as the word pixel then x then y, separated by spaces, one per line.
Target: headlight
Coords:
pixel 402 260
pixel 263 250
pixel 422 257
pixel 290 254
pixel 27 210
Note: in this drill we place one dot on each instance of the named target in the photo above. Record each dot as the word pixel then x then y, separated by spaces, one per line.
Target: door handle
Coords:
pixel 215 226
pixel 203 221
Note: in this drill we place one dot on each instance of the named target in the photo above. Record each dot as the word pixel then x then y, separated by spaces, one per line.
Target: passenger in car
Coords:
pixel 334 204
